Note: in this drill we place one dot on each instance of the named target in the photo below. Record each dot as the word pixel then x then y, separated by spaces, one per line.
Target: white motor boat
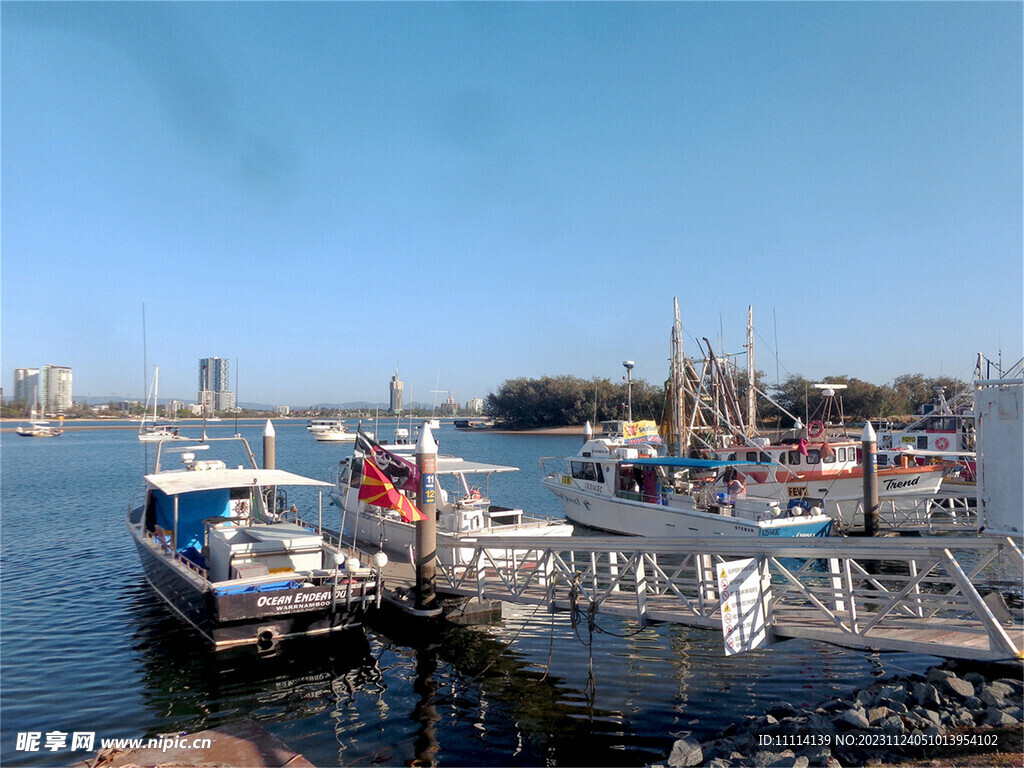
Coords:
pixel 627 489
pixel 464 510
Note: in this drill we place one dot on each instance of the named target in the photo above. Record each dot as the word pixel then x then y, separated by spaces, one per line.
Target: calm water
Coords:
pixel 86 646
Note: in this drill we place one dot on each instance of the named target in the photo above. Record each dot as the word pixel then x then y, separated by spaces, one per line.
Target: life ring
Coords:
pixel 815 428
pixel 941 443
pixel 475 494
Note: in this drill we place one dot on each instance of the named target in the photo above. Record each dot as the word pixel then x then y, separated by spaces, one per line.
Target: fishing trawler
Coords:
pixel 624 488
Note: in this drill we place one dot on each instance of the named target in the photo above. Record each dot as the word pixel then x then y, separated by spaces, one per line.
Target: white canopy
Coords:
pixel 453 465
pixel 177 481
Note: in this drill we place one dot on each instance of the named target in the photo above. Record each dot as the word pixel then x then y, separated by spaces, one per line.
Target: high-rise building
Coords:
pixel 26 385
pixel 397 388
pixel 55 388
pixel 215 384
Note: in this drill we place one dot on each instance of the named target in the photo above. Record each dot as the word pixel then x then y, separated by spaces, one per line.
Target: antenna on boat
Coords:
pixel 628 365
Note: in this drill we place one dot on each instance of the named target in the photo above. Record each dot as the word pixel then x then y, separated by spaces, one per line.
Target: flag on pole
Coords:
pixel 375 488
pixel 400 472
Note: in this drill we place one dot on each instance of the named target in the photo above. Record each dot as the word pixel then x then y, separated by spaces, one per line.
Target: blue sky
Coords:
pixel 475 192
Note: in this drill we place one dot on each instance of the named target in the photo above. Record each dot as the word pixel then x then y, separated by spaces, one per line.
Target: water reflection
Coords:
pixel 189 687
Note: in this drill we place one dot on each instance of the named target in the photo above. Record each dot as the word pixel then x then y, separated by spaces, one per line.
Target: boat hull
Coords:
pixel 638 518
pixel 914 481
pixel 396 536
pixel 228 618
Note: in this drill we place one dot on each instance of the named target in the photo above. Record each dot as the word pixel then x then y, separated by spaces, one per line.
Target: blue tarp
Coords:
pixel 193 508
pixel 248 589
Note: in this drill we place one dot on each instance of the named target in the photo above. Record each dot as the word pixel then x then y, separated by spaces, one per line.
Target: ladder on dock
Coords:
pixel 937 595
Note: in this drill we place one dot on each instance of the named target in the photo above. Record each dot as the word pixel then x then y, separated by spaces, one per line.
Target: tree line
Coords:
pixel 558 401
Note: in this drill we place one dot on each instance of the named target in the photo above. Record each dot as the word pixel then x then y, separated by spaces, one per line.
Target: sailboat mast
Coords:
pixel 751 395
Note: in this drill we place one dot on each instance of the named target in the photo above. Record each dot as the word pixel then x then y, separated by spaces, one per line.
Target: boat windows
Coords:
pixel 813 456
pixel 587 470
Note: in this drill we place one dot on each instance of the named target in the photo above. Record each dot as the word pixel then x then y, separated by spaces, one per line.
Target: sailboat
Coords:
pixel 36 427
pixel 154 432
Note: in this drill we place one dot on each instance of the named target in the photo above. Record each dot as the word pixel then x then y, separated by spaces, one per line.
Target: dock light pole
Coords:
pixel 628 364
pixel 869 446
pixel 426 529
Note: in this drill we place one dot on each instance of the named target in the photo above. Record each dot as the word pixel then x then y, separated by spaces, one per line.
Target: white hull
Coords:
pixel 396 537
pixel 851 487
pixel 638 518
pixel 328 436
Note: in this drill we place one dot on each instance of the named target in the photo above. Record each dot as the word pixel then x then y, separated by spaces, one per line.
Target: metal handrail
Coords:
pixel 867 592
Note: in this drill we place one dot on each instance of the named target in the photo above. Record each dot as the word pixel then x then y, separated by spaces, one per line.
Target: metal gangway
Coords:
pixel 940 595
pixel 923 514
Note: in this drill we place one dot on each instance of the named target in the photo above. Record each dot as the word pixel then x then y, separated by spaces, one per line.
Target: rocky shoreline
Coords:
pixel 954 714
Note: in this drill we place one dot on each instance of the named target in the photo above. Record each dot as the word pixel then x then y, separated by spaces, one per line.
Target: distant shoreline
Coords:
pixel 9 425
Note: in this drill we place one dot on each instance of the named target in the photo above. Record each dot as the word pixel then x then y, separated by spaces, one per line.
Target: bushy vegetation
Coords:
pixel 555 401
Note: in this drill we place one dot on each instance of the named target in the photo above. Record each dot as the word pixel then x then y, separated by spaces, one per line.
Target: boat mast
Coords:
pixel 678 404
pixel 751 401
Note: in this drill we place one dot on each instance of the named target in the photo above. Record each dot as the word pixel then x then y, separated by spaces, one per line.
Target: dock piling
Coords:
pixel 426 529
pixel 869 447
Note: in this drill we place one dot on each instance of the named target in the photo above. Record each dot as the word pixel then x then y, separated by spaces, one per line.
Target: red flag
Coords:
pixel 376 489
pixel 802 447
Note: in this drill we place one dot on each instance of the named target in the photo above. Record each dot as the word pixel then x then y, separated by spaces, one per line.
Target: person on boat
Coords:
pixel 734 486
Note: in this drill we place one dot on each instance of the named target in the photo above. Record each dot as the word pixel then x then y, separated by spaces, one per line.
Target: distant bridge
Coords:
pixel 939 595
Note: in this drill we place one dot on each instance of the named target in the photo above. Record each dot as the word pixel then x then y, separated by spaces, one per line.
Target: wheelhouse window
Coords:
pixel 813 456
pixel 587 470
pixel 793 458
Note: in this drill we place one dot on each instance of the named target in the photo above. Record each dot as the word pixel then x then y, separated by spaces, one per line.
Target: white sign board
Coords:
pixel 744 588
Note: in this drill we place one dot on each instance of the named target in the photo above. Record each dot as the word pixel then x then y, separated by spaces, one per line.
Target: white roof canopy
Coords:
pixel 179 481
pixel 453 465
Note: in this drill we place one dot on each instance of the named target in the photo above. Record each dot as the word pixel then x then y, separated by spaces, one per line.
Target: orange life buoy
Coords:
pixel 475 494
pixel 815 428
pixel 941 443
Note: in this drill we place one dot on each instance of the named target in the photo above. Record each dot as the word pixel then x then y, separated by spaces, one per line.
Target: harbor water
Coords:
pixel 87 647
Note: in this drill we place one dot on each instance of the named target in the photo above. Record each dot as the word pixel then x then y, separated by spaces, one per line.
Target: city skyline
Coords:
pixel 493 191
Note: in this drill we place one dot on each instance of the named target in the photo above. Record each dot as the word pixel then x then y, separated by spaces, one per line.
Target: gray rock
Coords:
pixel 893 692
pixel 974 704
pixel 855 717
pixel 781 709
pixel 933 716
pixel 997 718
pixel 865 697
pixel 784 759
pixel 685 752
pixel 1002 689
pixel 719 762
pixel 935 730
pixel 937 675
pixel 817 755
pixel 975 679
pixel 926 694
pixel 878 713
pixel 958 687
pixel 898 707
pixel 892 725
pixel 993 696
pixel 1014 685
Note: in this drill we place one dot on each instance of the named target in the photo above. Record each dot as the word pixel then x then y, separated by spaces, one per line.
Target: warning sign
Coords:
pixel 744 588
